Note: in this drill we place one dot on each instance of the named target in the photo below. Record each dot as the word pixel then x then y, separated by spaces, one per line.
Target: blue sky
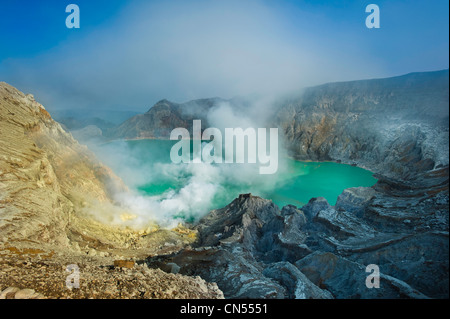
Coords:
pixel 30 27
pixel 130 54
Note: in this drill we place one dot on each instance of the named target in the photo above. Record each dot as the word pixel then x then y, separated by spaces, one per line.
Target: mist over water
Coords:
pixel 168 193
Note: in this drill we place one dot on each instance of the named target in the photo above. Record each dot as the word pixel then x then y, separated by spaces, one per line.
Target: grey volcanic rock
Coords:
pixel 420 260
pixel 314 206
pixel 258 226
pixel 294 221
pixel 343 224
pixel 251 243
pixel 284 237
pixel 240 221
pixel 233 268
pixel 400 227
pixel 355 200
pixel 235 240
pixel 347 279
pixel 297 284
pixel 396 126
pixel 421 204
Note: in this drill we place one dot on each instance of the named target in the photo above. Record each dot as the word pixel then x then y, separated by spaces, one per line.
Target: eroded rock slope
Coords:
pixel 52 190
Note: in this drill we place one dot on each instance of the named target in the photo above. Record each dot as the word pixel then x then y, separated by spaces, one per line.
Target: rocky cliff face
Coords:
pixel 48 182
pixel 396 126
pixel 45 174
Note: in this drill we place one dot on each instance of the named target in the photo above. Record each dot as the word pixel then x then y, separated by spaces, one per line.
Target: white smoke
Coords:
pixel 196 186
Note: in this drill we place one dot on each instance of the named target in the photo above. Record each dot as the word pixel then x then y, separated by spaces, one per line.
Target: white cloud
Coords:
pixel 183 50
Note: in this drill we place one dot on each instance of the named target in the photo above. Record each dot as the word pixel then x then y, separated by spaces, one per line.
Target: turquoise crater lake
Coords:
pixel 192 190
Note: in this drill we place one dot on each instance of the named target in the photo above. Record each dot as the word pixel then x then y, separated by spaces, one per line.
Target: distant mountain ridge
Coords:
pixel 162 118
pixel 420 94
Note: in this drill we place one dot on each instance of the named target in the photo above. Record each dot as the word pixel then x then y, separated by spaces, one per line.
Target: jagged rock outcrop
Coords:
pixel 347 279
pixel 254 250
pixel 297 284
pixel 233 244
pixel 228 237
